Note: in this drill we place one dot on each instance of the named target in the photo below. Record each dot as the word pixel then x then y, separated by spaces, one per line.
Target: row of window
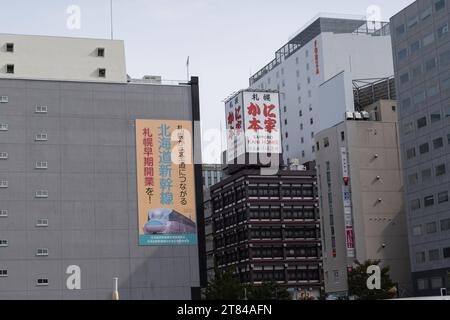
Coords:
pixel 431 227
pixel 412 22
pixel 423 121
pixel 40 165
pixel 424 148
pixel 426 175
pixel 4 184
pixel 429 201
pixel 433 255
pixel 39 282
pixel 421 97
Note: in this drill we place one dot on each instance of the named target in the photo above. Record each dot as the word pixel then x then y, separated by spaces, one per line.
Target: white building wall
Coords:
pixel 363 56
pixel 60 58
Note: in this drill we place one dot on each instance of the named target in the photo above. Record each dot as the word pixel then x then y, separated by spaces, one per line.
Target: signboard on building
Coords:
pixel 165 183
pixel 235 127
pixel 253 124
pixel 347 202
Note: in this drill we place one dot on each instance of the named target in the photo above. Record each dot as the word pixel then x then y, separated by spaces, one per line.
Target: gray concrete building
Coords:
pixel 421 50
pixel 361 197
pixel 68 177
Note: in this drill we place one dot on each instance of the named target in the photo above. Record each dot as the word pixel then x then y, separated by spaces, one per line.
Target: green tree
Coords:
pixel 267 291
pixel 224 286
pixel 357 282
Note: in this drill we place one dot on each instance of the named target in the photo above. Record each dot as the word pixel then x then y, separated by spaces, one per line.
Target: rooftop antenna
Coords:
pixel 112 26
pixel 187 67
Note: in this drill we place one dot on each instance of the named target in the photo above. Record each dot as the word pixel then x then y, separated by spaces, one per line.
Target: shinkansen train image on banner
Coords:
pixel 168 221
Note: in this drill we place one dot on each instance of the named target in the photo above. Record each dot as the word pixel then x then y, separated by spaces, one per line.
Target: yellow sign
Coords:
pixel 165 183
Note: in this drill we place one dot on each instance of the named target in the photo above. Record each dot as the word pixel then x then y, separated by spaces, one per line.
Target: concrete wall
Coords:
pixel 59 58
pixel 372 148
pixel 92 202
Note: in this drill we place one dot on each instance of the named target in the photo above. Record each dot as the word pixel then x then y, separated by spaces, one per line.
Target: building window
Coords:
pixel 420 257
pixel 428 39
pixel 433 255
pixel 438 143
pixel 41 194
pixel 302 140
pixel 404 78
pixel 301 128
pixel 430 65
pixel 41 165
pixel 417 231
pixel 3 243
pixel 412 22
pixel 3 184
pixel 10 68
pixel 435 117
pixel 422 284
pixel 415 46
pixel 413 179
pixel 102 73
pixel 443 197
pixel 431 227
pixel 446 253
pixel 342 136
pixel 41 109
pixel 287 135
pixel 100 52
pixel 439 5
pixel 415 204
pixel 428 201
pixel 4 155
pixel 3 273
pixel 3 213
pixel 440 170
pixel 4 127
pixel 42 223
pixel 426 175
pixel 10 47
pixel 42 282
pixel 41 137
pixel 300 113
pixel 402 54
pixel 422 122
pixel 311 121
pixel 426 13
pixel 417 71
pixel 411 153
pixel 400 29
pixel 445 225
pixel 326 142
pixel 42 252
pixel 424 148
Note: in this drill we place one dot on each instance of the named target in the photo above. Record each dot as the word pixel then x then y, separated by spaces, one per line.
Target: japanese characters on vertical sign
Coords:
pixel 235 131
pixel 165 182
pixel 262 122
pixel 316 57
pixel 347 202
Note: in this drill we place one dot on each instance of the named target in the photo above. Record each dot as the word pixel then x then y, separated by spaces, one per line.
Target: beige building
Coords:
pixel 62 58
pixel 361 196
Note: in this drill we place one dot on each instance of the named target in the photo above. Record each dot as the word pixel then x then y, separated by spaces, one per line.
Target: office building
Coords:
pixel 212 174
pixel 361 191
pixel 70 175
pixel 267 228
pixel 421 50
pixel 322 49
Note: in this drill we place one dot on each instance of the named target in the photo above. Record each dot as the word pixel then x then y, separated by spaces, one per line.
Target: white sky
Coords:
pixel 225 39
